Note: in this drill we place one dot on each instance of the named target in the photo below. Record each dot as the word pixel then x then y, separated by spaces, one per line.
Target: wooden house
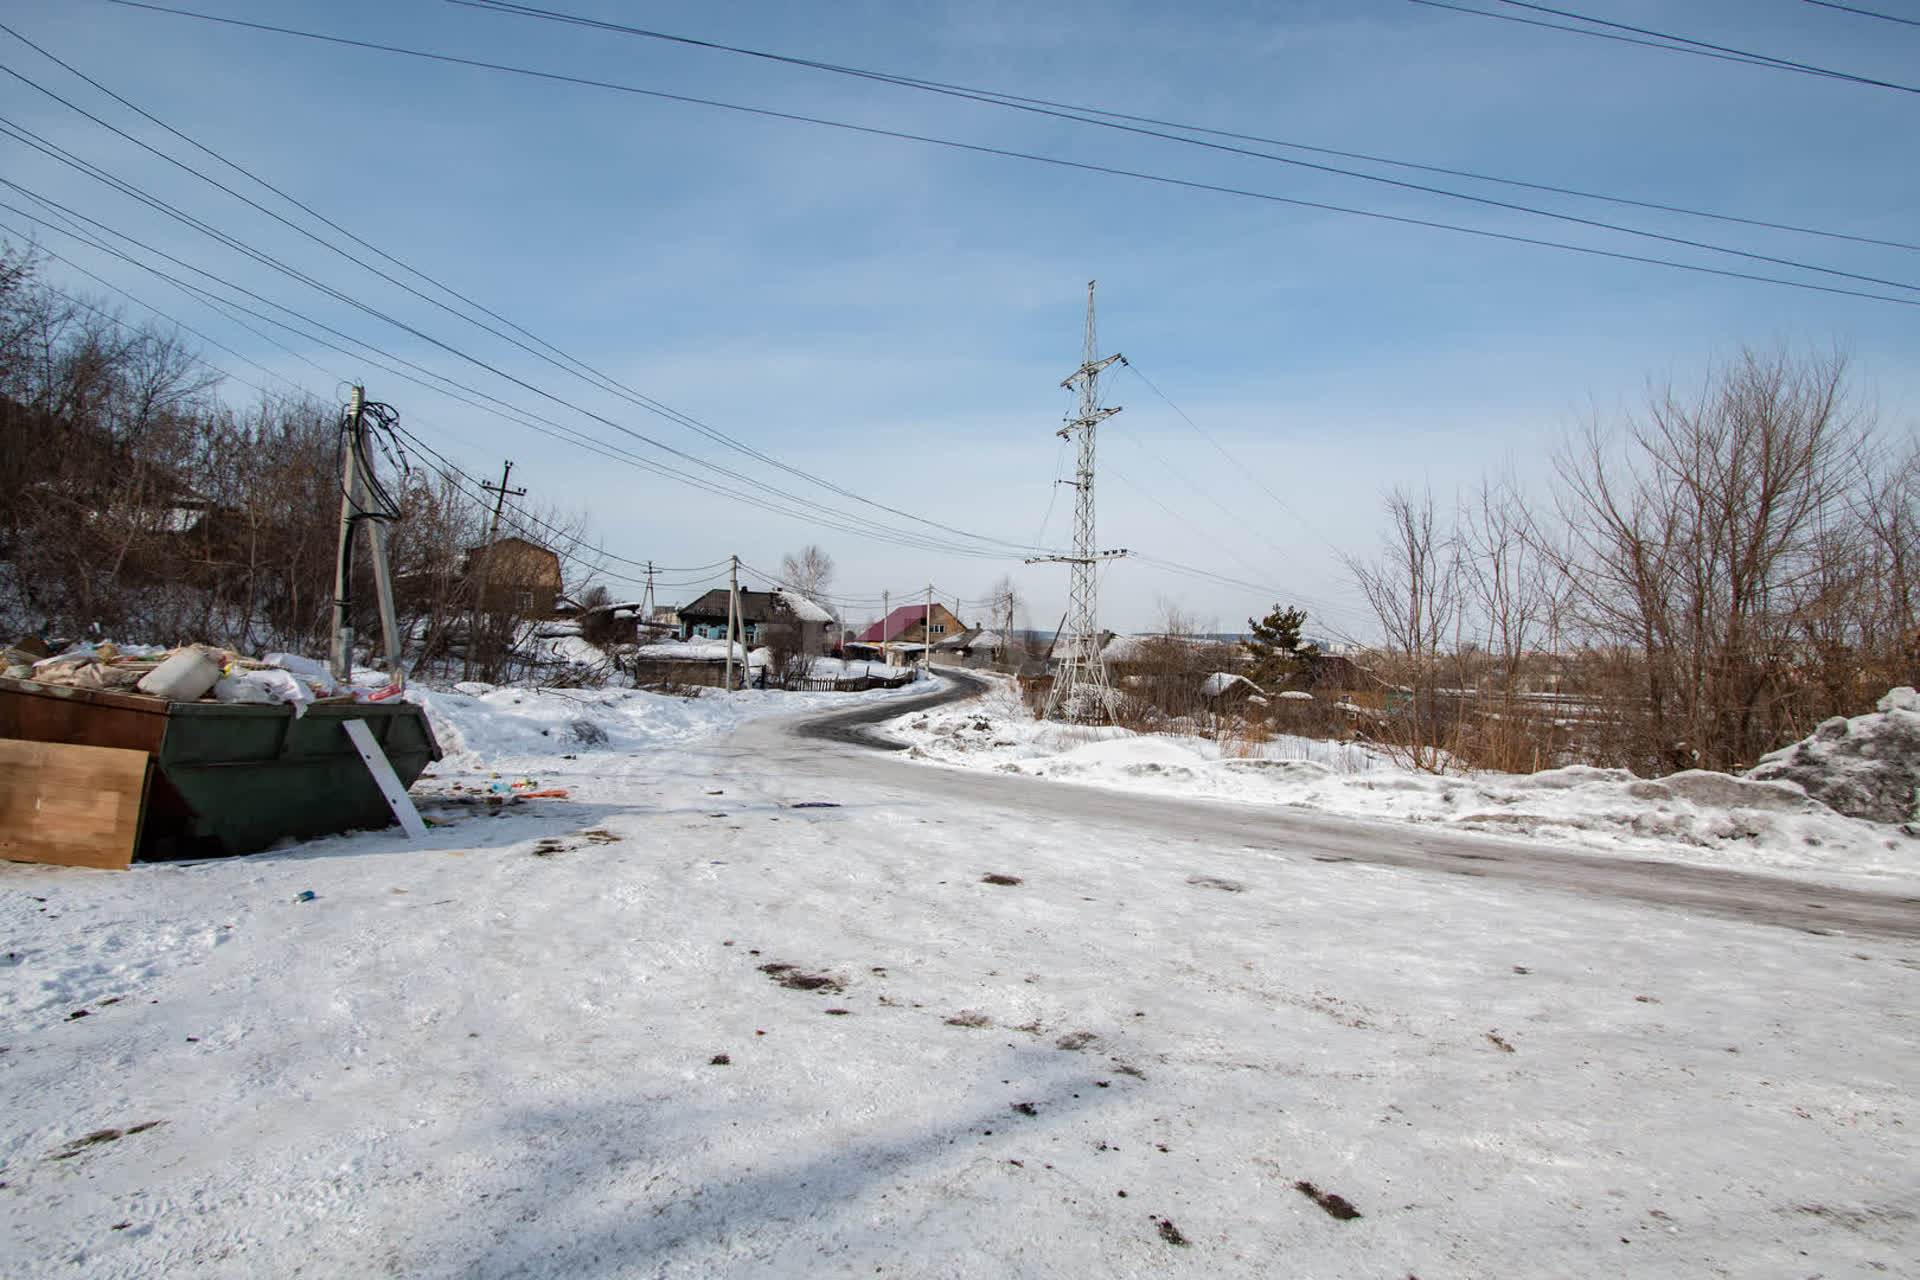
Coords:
pixel 520 577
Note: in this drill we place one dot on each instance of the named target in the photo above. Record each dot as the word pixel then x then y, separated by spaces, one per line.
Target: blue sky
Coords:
pixel 895 317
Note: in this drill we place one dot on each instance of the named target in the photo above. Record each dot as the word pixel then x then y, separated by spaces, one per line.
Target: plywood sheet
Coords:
pixel 72 805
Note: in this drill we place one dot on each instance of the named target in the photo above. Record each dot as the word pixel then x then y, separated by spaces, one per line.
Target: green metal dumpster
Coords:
pixel 232 778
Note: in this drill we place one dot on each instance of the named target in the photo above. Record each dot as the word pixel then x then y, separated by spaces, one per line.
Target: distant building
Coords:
pixel 910 623
pixel 761 612
pixel 519 577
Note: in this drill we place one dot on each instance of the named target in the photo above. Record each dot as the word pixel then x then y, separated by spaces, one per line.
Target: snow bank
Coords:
pixel 520 729
pixel 1763 822
pixel 1866 767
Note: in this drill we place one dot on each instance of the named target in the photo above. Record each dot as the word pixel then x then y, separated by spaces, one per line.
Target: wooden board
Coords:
pixel 72 805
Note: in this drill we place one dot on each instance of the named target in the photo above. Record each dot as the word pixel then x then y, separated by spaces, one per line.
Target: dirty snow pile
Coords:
pixel 1866 767
pixel 1766 820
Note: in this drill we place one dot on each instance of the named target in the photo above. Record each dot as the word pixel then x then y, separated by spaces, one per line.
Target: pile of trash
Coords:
pixel 496 788
pixel 191 673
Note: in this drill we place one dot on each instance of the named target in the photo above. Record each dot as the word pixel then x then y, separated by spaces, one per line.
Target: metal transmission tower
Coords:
pixel 1080 690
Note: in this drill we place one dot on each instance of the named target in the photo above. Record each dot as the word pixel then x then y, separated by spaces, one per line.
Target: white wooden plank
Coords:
pixel 385 778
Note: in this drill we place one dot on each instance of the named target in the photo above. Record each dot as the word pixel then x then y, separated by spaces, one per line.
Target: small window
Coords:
pixel 526 602
pixel 939 628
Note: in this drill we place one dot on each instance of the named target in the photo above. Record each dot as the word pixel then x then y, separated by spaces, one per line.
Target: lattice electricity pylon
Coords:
pixel 1080 690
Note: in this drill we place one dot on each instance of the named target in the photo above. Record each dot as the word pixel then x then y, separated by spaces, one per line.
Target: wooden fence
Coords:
pixel 855 684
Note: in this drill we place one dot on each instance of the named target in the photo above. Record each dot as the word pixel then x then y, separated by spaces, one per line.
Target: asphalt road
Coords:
pixel 846 744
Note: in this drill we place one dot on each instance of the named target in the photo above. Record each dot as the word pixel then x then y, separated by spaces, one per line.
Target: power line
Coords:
pixel 1009 99
pixel 1267 590
pixel 600 381
pixel 1673 43
pixel 771 498
pixel 1240 468
pixel 269 260
pixel 1038 158
pixel 1189 525
pixel 464 482
pixel 1114 120
pixel 140 302
pixel 1866 13
pixel 452 472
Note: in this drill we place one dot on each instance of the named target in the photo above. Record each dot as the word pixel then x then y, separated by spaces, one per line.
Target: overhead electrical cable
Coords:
pixel 1038 158
pixel 575 367
pixel 1268 589
pixel 53 150
pixel 1233 553
pixel 464 483
pixel 1239 467
pixel 979 94
pixel 471 486
pixel 1866 13
pixel 101 313
pixel 1208 575
pixel 520 417
pixel 1663 40
pixel 773 495
pixel 177 323
pixel 1785 64
pixel 1113 120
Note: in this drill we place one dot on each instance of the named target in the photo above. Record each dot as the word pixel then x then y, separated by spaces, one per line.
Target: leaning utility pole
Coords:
pixel 1080 690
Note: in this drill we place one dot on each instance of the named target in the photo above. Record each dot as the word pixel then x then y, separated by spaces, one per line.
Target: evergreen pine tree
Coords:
pixel 1279 656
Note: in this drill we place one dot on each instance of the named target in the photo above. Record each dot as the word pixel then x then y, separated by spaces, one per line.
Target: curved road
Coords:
pixel 844 743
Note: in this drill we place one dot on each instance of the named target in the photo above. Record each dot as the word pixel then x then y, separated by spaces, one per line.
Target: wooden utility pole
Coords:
pixel 733 614
pixel 502 493
pixel 363 501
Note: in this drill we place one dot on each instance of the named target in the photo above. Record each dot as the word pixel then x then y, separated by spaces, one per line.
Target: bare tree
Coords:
pixel 1413 589
pixel 808 571
pixel 1710 536
pixel 1506 606
pixel 1889 514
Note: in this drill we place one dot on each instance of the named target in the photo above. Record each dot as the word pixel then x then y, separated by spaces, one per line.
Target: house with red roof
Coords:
pixel 909 624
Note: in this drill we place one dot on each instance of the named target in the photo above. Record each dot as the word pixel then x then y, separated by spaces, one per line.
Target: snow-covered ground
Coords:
pixel 725 1012
pixel 1700 817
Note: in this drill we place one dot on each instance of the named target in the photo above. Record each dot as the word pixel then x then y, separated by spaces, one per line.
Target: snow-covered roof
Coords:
pixel 804 609
pixel 687 651
pixel 1221 681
